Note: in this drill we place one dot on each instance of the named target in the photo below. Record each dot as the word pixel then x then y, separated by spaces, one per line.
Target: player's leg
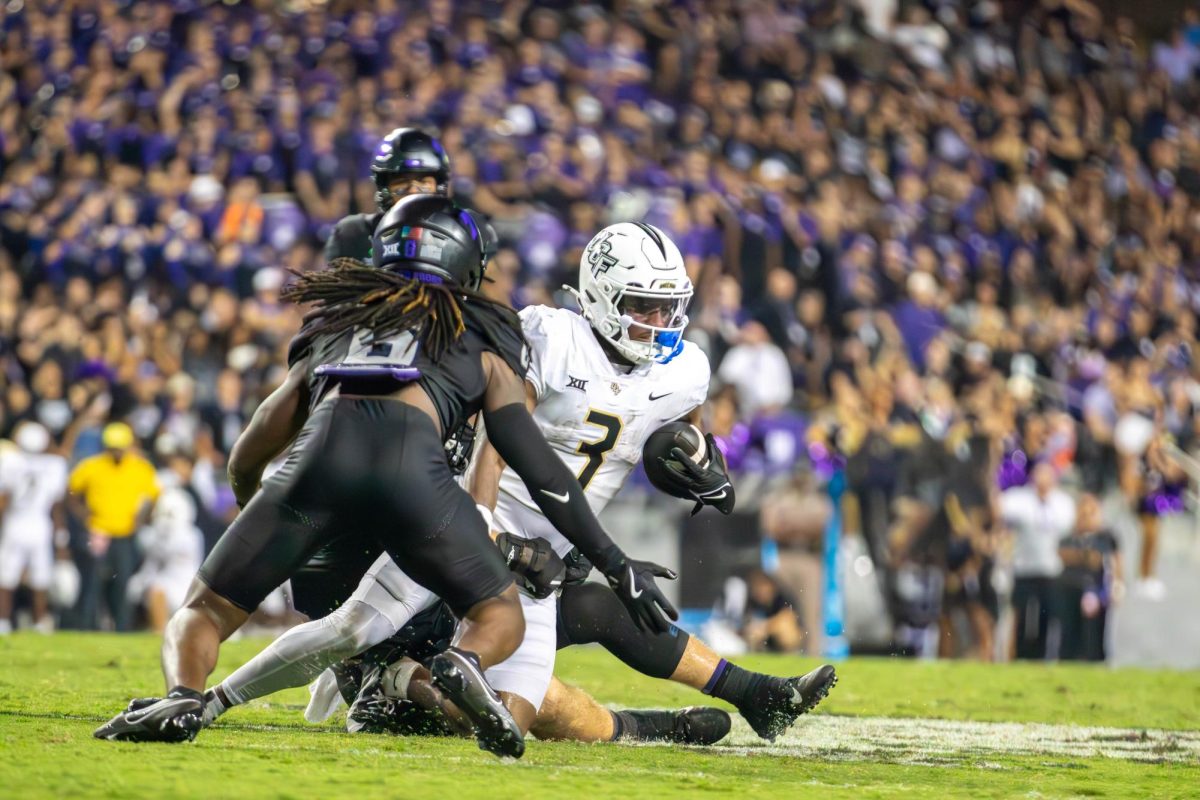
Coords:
pixel 434 533
pixel 281 527
pixel 592 613
pixel 332 575
pixel 12 564
pixel 522 678
pixel 41 570
pixel 569 713
pixel 157 613
pixel 6 610
pixel 1149 554
pixel 384 602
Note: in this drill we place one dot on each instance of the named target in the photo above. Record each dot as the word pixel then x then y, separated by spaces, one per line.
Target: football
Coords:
pixel 686 437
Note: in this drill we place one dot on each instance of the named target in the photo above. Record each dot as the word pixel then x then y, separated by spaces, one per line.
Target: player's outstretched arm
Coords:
pixel 519 442
pixel 275 423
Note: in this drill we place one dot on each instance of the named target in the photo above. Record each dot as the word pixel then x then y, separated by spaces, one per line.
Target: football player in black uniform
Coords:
pixel 390 360
pixel 407 161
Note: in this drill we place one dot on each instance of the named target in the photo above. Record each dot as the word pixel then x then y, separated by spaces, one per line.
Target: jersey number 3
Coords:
pixel 597 450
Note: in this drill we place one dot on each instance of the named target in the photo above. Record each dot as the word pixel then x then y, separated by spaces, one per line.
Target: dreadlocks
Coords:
pixel 354 295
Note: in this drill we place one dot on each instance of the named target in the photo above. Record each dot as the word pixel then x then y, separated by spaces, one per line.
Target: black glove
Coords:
pixel 709 485
pixel 578 567
pixel 633 581
pixel 459 447
pixel 533 561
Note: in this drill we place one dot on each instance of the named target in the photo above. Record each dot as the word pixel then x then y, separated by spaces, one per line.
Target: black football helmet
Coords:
pixel 429 235
pixel 408 151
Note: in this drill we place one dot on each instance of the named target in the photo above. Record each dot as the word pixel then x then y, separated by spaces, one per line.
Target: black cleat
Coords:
pixel 349 675
pixel 174 718
pixel 372 709
pixel 457 675
pixel 781 701
pixel 138 703
pixel 700 725
pixel 697 725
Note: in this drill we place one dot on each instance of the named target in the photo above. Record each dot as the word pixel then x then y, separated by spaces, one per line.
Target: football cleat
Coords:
pixel 781 701
pixel 174 718
pixel 138 703
pixel 457 675
pixel 700 725
pixel 697 725
pixel 349 675
pixel 372 709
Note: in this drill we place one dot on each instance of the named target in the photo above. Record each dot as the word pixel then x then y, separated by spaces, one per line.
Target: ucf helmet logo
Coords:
pixel 600 255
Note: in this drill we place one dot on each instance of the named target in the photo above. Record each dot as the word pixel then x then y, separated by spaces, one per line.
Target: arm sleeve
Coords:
pixel 557 493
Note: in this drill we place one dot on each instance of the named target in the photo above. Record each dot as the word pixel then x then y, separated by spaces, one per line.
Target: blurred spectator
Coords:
pixel 33 483
pixel 1091 583
pixel 172 548
pixel 114 492
pixel 761 612
pixel 794 517
pixel 926 212
pixel 1040 516
pixel 759 370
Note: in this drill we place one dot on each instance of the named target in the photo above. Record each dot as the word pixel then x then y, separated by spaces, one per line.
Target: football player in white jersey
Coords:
pixel 33 483
pixel 600 382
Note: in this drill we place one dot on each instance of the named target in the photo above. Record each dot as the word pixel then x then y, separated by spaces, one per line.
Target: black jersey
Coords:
pixel 351 238
pixel 455 382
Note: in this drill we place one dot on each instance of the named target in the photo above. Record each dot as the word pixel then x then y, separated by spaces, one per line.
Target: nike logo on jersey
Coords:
pixel 654 396
pixel 720 496
pixel 562 498
pixel 634 592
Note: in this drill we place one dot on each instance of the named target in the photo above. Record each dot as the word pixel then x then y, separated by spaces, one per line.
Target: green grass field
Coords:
pixel 891 728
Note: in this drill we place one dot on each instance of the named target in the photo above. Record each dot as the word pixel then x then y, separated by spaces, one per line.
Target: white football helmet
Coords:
pixel 32 437
pixel 635 290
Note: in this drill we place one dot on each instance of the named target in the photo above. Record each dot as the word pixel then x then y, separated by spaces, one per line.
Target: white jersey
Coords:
pixel 595 416
pixel 33 482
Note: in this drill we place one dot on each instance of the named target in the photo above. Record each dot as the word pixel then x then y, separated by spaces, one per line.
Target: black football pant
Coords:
pixel 367 468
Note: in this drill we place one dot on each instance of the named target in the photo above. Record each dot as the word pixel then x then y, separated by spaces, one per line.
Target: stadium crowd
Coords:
pixel 952 248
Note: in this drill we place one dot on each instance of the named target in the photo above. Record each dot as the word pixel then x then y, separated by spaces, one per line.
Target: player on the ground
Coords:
pixel 599 385
pixel 389 360
pixel 33 483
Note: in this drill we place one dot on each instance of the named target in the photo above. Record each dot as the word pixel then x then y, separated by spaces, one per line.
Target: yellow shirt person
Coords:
pixel 115 485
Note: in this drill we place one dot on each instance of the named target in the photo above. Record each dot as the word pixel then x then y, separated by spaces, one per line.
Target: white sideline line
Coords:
pixel 934 741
